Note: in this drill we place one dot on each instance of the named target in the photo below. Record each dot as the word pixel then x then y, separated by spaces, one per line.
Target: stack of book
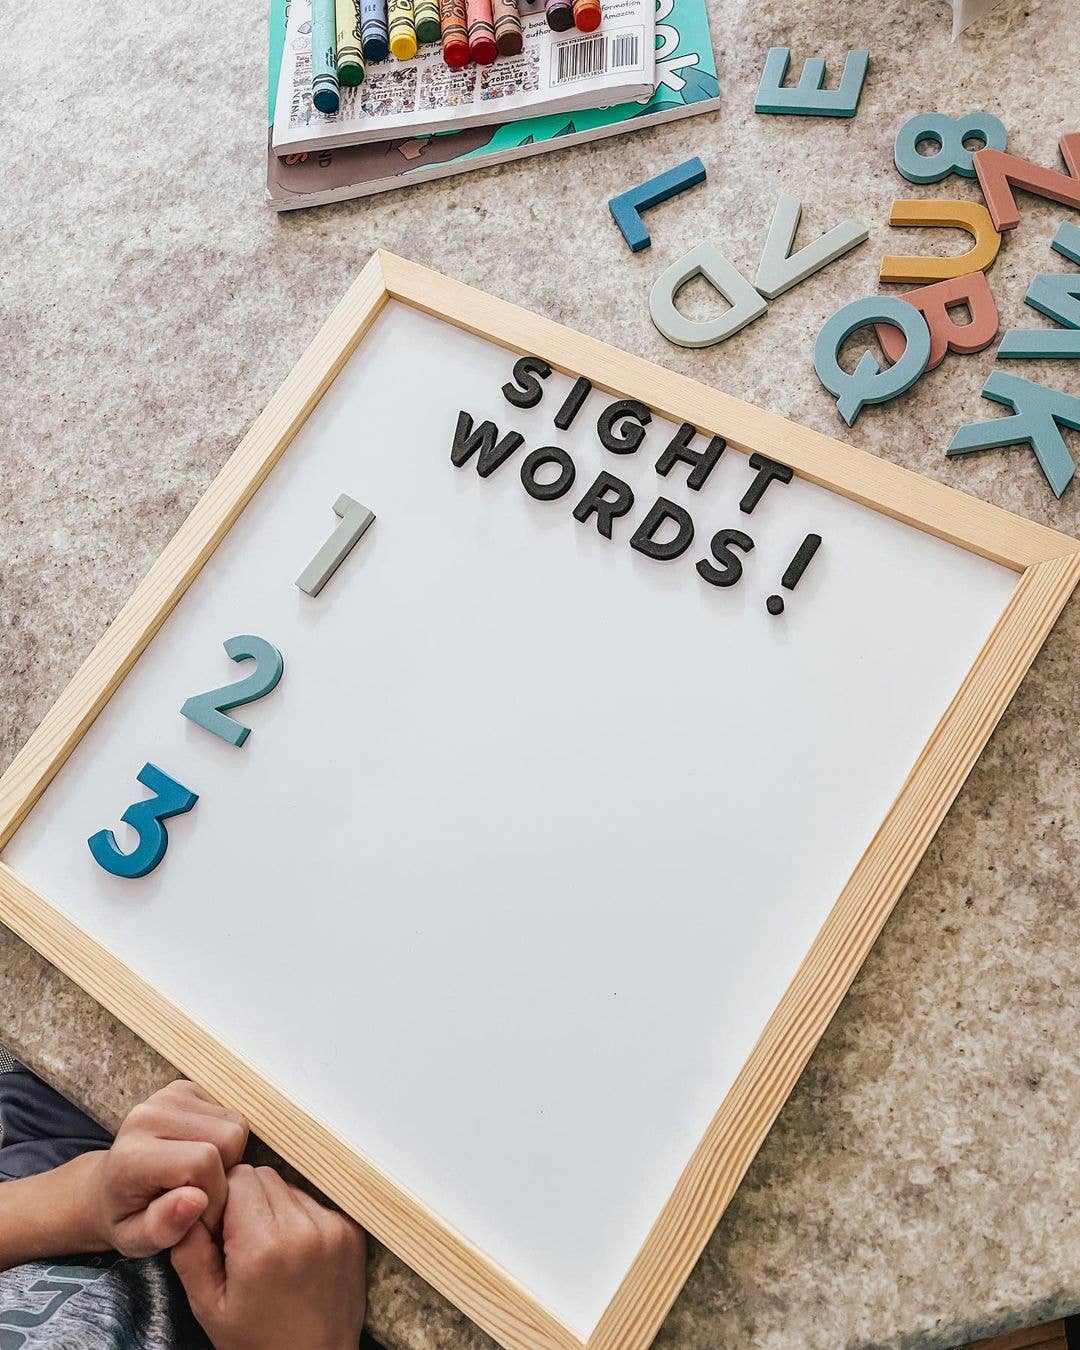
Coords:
pixel 650 61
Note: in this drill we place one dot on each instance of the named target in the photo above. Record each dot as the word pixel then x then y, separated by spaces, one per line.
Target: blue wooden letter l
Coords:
pixel 626 208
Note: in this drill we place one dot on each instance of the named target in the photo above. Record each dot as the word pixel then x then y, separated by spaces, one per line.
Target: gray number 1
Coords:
pixel 355 519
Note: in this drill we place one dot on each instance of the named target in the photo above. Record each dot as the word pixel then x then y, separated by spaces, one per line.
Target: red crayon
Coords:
pixel 482 47
pixel 587 15
pixel 455 35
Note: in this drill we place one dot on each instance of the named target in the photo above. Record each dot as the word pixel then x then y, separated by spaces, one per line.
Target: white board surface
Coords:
pixel 529 841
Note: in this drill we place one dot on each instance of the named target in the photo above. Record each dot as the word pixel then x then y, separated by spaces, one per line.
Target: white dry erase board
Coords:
pixel 593 836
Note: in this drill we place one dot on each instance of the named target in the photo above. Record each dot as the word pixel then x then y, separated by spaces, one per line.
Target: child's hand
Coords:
pixel 164 1172
pixel 290 1272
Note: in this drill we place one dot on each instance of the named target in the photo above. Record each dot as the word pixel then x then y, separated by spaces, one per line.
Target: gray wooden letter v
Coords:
pixel 780 269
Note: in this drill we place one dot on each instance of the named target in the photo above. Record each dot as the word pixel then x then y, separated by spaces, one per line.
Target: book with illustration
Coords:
pixel 685 85
pixel 554 73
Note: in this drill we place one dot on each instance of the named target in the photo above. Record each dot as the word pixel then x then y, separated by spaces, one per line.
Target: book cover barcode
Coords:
pixel 586 57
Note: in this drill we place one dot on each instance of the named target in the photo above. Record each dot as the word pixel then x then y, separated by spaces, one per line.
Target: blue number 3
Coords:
pixel 170 799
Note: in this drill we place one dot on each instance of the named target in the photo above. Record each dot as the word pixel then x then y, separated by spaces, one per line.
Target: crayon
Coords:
pixel 374 37
pixel 507 26
pixel 559 14
pixel 350 53
pixel 455 34
pixel 481 32
pixel 587 15
pixel 324 80
pixel 428 28
pixel 402 29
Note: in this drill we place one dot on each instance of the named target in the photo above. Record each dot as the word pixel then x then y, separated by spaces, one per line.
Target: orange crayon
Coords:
pixel 586 15
pixel 455 34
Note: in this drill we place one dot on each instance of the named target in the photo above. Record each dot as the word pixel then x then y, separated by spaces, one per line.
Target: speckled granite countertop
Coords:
pixel 920 1186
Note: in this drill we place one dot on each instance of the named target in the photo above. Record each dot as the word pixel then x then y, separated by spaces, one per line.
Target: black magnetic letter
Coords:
pixel 531 391
pixel 606 509
pixel 574 399
pixel 702 462
pixel 730 569
pixel 767 470
pixel 536 459
pixel 662 511
pixel 626 410
pixel 467 442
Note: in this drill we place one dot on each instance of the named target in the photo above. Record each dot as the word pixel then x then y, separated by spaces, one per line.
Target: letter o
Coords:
pixel 536 460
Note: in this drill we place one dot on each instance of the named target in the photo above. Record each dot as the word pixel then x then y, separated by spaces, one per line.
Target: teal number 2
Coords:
pixel 208 710
pixel 170 799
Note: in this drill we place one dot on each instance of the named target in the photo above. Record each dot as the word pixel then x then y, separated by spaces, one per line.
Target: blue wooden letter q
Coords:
pixel 868 383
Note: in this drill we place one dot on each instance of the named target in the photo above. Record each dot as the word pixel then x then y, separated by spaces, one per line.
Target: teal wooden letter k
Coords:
pixel 1037 412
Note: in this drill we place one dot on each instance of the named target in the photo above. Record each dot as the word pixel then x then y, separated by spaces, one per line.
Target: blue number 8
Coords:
pixel 170 799
pixel 949 135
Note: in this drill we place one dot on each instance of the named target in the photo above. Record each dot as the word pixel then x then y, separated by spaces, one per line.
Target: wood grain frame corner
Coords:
pixel 1050 566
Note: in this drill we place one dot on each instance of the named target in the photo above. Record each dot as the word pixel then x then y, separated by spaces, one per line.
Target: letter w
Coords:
pixel 492 454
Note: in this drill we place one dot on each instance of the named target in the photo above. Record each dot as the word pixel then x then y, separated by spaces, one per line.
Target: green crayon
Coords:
pixel 350 53
pixel 428 28
pixel 324 80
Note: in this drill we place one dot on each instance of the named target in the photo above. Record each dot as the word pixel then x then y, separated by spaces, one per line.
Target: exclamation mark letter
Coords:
pixel 795 569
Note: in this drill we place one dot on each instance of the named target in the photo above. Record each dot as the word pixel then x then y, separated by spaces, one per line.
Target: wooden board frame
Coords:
pixel 1049 564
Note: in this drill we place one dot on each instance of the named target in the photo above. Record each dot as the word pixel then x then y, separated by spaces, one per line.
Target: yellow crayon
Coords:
pixel 402 29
